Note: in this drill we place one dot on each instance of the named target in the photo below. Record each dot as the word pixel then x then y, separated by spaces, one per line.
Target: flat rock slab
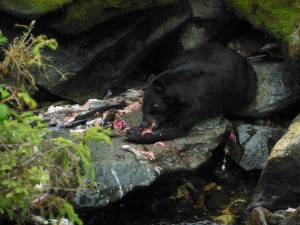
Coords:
pixel 117 171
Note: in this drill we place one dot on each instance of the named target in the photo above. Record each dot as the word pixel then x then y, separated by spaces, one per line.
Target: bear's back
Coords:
pixel 213 77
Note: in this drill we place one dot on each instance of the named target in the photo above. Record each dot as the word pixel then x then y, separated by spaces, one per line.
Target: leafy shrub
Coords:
pixel 38 174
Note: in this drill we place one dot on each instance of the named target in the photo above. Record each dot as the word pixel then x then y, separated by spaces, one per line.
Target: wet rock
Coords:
pixel 254 145
pixel 262 216
pixel 277 89
pixel 118 172
pixel 279 183
pixel 31 9
pixel 258 216
pixel 89 66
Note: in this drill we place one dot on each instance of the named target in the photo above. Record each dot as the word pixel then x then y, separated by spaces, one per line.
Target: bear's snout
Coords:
pixel 150 122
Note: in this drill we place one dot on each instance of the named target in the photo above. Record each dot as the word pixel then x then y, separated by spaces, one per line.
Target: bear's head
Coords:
pixel 154 107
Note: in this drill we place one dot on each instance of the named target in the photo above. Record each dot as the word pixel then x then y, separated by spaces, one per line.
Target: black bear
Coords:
pixel 199 84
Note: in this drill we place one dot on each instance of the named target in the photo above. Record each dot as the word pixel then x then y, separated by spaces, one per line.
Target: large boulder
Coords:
pixel 118 172
pixel 278 88
pixel 254 144
pixel 279 183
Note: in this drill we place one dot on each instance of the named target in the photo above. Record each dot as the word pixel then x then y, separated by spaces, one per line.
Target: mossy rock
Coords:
pixel 31 9
pixel 281 18
pixel 83 14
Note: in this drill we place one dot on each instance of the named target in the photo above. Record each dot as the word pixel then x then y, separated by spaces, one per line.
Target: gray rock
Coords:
pixel 118 172
pixel 92 64
pixel 192 34
pixel 277 89
pixel 208 10
pixel 279 182
pixel 258 216
pixel 254 145
pixel 263 216
pixel 195 34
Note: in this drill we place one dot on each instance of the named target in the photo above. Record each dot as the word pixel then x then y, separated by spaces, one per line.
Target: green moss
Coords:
pixel 83 14
pixel 80 14
pixel 32 7
pixel 38 5
pixel 278 17
pixel 121 4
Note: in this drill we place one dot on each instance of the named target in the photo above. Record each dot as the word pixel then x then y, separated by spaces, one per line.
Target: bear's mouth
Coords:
pixel 146 130
pixel 153 124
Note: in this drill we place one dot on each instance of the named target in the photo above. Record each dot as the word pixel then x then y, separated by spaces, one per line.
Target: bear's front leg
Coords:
pixel 163 133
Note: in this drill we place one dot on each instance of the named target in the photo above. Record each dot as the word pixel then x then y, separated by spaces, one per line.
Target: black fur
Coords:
pixel 199 84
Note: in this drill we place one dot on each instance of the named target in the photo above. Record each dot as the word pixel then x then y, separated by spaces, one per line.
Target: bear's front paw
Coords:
pixel 140 135
pixel 133 134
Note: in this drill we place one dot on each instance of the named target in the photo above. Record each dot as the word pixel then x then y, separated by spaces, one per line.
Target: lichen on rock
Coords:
pixel 280 18
pixel 31 8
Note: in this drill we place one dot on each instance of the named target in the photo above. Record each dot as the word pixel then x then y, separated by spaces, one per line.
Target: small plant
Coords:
pixel 39 175
pixel 16 99
pixel 3 39
pixel 25 52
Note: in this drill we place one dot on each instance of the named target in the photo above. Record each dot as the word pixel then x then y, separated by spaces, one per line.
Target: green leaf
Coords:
pixel 9 195
pixel 45 178
pixel 33 169
pixel 5 167
pixel 3 111
pixel 5 182
pixel 19 190
pixel 3 94
pixel 29 101
pixel 3 39
pixel 64 161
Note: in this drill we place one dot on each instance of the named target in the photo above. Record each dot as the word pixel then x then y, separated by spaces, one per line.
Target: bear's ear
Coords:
pixel 158 85
pixel 151 78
